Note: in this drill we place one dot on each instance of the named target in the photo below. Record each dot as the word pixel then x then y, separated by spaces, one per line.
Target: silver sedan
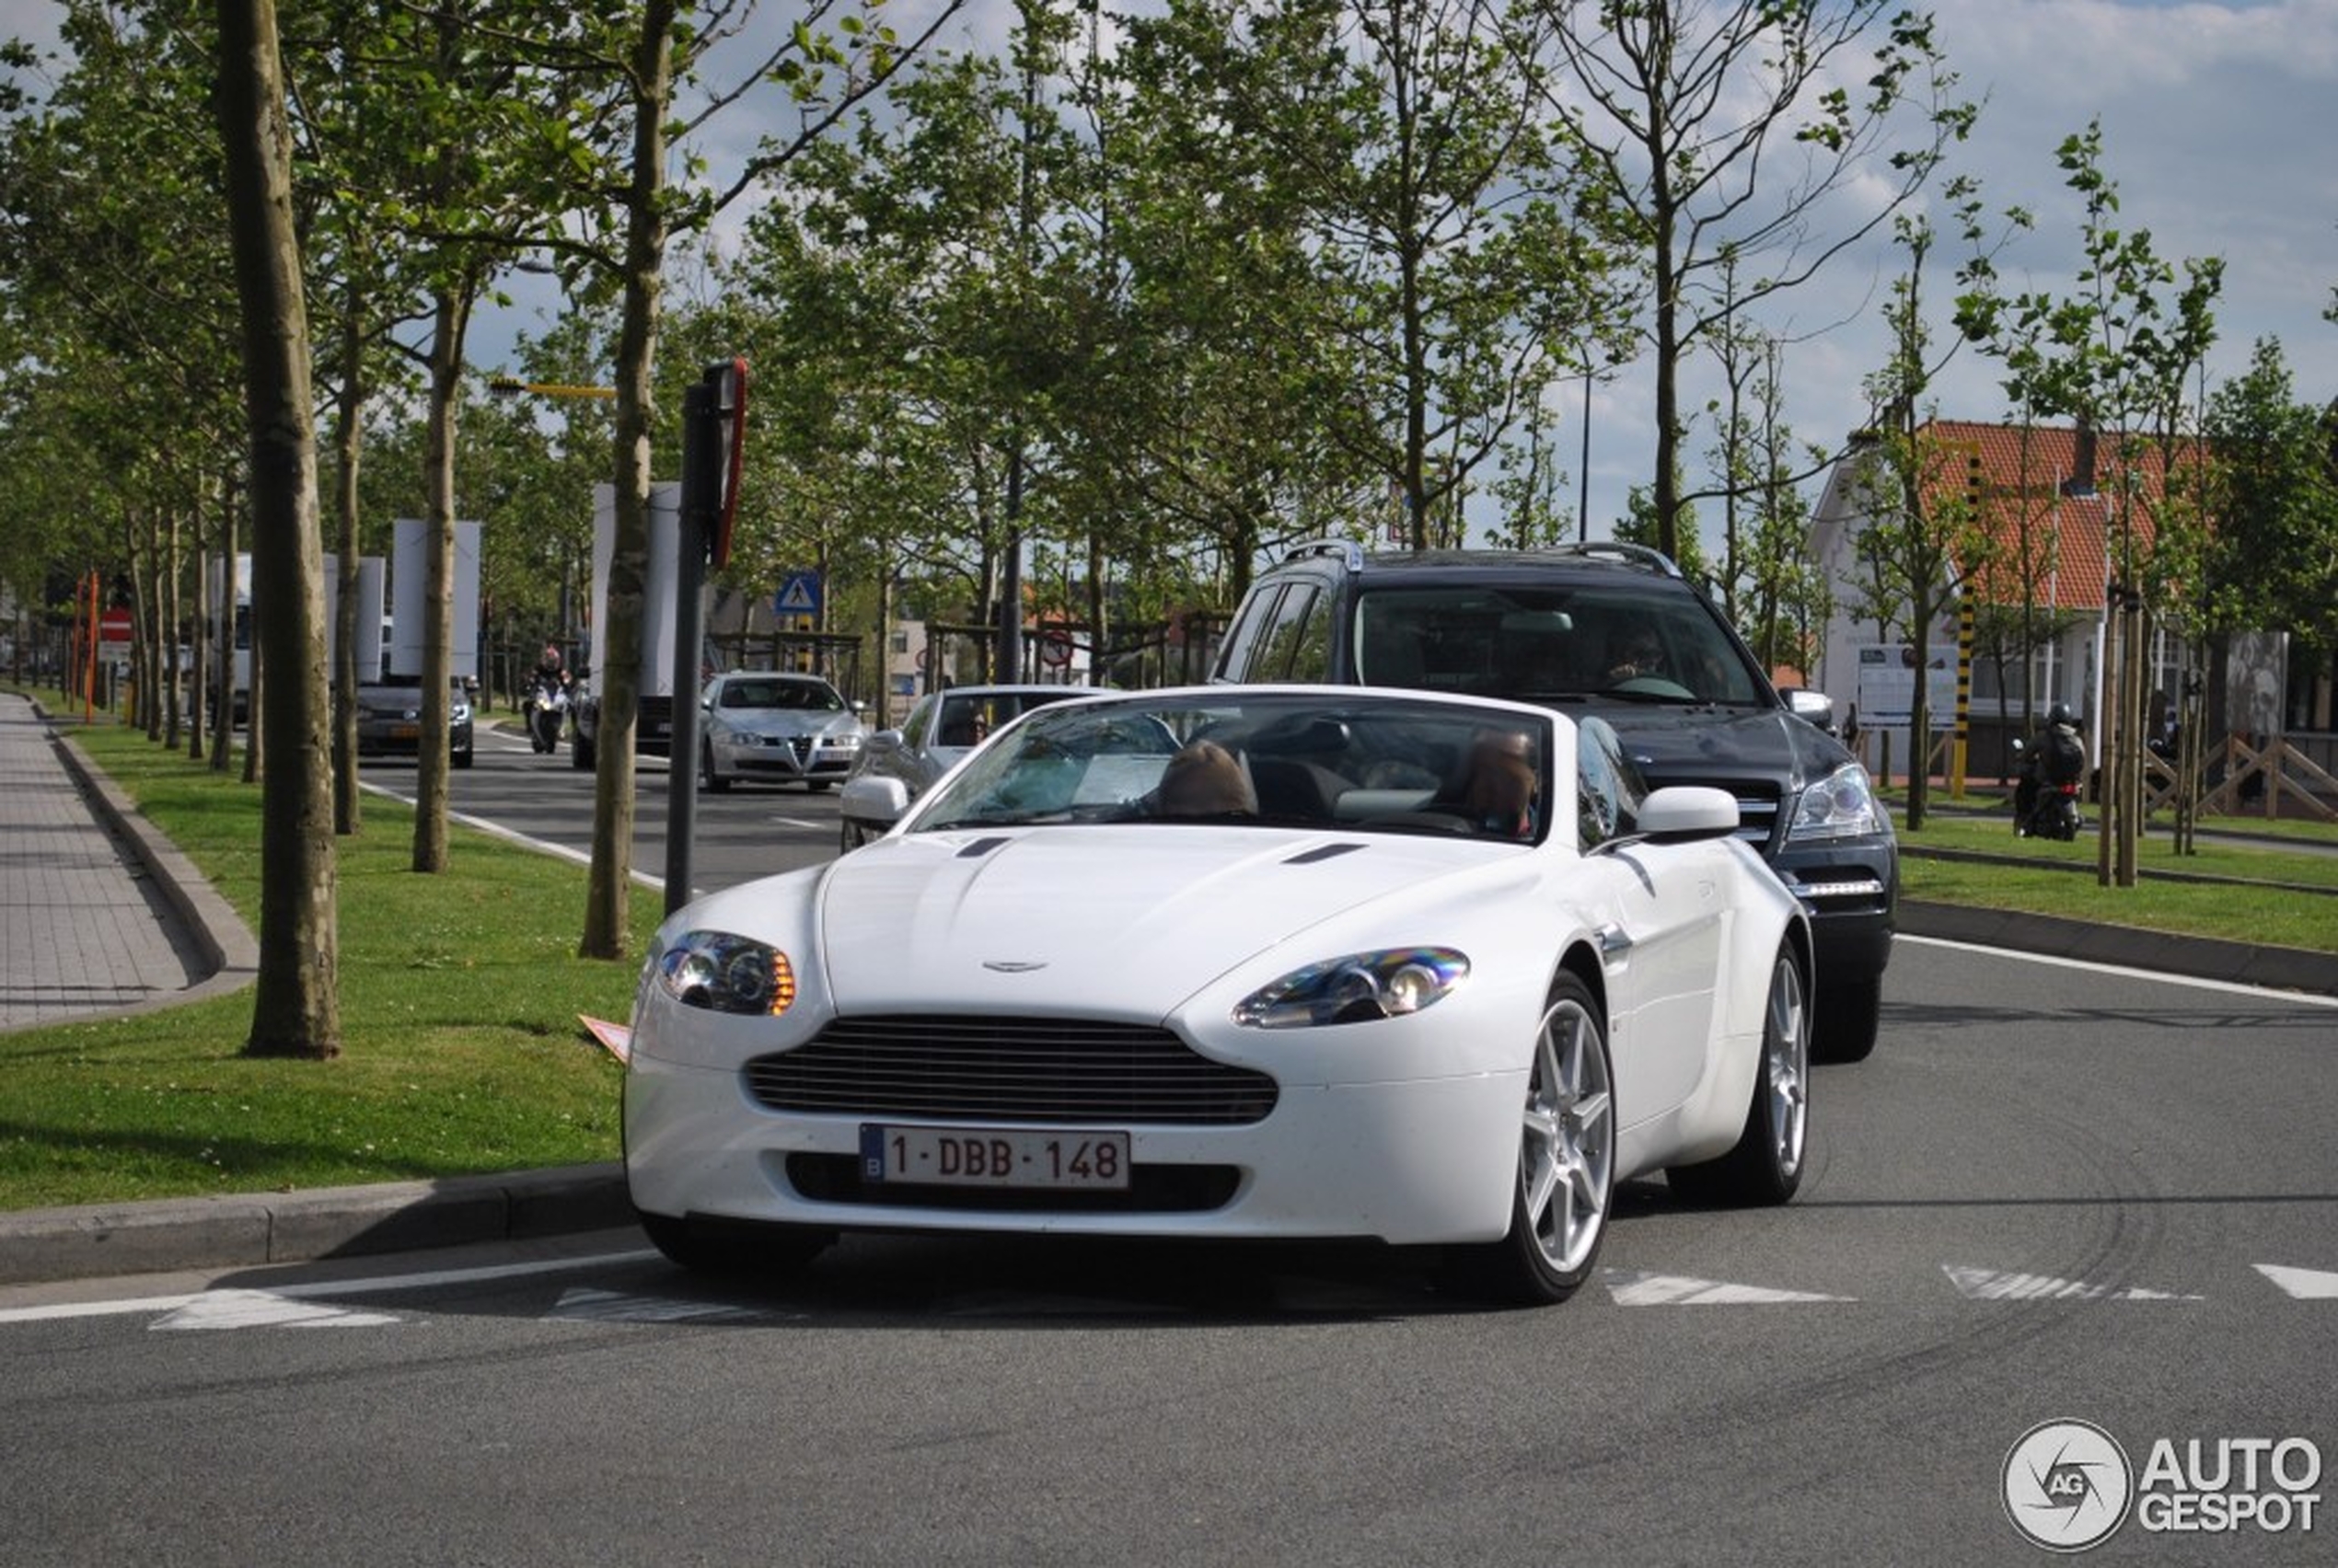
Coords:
pixel 942 728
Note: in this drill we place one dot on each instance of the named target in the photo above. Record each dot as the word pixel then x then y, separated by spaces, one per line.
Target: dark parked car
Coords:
pixel 1614 630
pixel 389 722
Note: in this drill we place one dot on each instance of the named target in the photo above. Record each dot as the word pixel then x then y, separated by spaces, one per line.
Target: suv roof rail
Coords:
pixel 1347 549
pixel 1640 555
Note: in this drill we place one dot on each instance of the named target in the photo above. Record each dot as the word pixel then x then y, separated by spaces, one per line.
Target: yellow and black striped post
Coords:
pixel 1960 754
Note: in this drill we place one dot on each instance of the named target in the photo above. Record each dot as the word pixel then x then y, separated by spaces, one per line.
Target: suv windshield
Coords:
pixel 1531 644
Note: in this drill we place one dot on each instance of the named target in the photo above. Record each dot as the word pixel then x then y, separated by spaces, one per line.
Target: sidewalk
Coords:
pixel 100 915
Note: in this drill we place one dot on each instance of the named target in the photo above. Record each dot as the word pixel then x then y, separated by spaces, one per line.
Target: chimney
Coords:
pixel 2081 480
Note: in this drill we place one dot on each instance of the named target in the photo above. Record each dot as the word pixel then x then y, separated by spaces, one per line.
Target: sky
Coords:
pixel 2218 123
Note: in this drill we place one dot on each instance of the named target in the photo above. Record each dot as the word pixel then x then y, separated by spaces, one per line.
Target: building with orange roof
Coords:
pixel 2046 499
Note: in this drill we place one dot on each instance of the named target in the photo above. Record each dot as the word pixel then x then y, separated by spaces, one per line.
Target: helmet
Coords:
pixel 2060 714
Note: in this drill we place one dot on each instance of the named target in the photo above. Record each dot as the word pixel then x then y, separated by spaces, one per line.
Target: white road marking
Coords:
pixel 588 1305
pixel 1633 1289
pixel 2304 1284
pixel 1990 1285
pixel 2303 998
pixel 265 1310
pixel 326 1287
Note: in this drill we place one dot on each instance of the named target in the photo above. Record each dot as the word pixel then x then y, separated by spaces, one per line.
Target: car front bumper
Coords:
pixel 1422 1160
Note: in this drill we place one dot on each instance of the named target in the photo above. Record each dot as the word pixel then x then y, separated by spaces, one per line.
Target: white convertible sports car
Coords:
pixel 1236 961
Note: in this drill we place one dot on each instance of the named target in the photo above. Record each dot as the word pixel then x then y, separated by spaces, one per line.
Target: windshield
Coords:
pixel 1341 758
pixel 812 694
pixel 1540 643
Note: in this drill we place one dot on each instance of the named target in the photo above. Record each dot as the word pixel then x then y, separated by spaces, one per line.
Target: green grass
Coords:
pixel 2260 899
pixel 462 1052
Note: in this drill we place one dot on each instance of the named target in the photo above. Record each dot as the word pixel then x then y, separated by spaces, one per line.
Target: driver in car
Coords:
pixel 1640 654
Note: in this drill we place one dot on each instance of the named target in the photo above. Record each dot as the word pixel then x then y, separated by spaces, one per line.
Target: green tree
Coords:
pixel 1720 130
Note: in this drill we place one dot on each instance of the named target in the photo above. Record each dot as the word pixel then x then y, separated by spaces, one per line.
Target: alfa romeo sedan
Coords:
pixel 1234 962
pixel 768 727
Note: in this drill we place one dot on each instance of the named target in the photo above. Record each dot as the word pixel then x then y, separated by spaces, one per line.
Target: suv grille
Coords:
pixel 1023 1070
pixel 1757 815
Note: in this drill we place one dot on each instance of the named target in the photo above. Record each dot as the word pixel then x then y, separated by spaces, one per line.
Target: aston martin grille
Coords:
pixel 1023 1070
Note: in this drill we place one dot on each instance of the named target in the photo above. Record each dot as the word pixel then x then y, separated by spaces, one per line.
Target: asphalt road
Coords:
pixel 2054 1193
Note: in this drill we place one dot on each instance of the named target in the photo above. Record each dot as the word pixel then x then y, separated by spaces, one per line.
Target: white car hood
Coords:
pixel 1129 920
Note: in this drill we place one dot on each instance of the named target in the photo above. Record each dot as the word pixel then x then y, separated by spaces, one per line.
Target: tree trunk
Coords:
pixel 348 444
pixel 295 1006
pixel 431 760
pixel 617 654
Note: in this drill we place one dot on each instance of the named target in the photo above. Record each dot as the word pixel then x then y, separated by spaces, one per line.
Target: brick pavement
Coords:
pixel 85 927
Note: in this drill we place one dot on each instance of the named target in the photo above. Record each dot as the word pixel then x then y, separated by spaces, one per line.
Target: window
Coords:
pixel 1607 788
pixel 1297 641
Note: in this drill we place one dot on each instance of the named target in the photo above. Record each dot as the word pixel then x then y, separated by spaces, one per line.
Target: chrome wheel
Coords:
pixel 1566 1163
pixel 1786 1063
pixel 1567 1158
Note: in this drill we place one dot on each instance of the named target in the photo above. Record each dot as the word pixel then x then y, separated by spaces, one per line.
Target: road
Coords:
pixel 2054 1193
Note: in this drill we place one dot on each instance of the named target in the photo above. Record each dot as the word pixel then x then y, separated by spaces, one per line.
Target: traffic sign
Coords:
pixel 115 625
pixel 1055 650
pixel 799 595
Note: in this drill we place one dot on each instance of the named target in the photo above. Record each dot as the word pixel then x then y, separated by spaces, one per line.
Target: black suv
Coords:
pixel 1613 630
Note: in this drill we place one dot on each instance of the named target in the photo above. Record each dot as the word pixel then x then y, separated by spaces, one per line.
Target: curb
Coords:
pixel 250 1230
pixel 2198 958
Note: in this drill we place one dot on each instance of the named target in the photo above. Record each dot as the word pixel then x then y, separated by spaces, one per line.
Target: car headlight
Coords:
pixel 1840 805
pixel 1355 989
pixel 726 974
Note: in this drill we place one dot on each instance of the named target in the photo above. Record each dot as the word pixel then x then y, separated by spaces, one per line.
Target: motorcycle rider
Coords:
pixel 2049 772
pixel 546 687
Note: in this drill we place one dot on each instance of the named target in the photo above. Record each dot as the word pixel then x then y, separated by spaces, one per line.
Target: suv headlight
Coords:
pixel 1840 805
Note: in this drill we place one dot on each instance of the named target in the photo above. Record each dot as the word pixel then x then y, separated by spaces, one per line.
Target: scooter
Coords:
pixel 2042 808
pixel 544 709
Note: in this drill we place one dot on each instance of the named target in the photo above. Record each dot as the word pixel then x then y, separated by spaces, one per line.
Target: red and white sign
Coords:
pixel 114 627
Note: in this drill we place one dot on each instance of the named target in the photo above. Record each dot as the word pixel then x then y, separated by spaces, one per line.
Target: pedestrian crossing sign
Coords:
pixel 799 595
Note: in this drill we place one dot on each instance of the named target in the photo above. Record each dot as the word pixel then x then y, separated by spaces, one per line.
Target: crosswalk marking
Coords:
pixel 1633 1289
pixel 1990 1285
pixel 584 1305
pixel 265 1310
pixel 2302 1285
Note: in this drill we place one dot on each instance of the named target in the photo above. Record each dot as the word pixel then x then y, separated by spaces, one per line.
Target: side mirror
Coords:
pixel 1688 811
pixel 1811 707
pixel 874 799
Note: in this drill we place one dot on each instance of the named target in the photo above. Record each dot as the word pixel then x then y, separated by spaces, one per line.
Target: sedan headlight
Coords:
pixel 726 974
pixel 1840 805
pixel 1355 989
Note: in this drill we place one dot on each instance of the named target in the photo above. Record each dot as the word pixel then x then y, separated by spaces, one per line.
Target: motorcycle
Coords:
pixel 2043 807
pixel 545 709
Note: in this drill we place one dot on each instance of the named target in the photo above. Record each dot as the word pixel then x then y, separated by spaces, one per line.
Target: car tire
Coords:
pixel 734 1249
pixel 708 780
pixel 1765 1166
pixel 580 754
pixel 1566 1182
pixel 1847 1020
pixel 460 758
